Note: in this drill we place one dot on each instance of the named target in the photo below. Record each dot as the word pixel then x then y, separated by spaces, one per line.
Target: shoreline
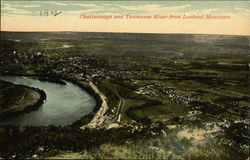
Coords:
pixel 98 120
pixel 89 87
pixel 28 108
pixel 86 86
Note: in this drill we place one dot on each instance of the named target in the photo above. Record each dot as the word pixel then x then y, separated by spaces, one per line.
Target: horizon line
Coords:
pixel 133 33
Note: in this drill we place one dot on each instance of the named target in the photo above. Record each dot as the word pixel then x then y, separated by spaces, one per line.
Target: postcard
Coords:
pixel 124 79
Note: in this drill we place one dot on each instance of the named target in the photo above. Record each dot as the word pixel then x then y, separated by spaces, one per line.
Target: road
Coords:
pixel 119 109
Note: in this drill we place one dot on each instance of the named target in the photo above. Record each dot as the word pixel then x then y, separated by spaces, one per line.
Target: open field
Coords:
pixel 168 96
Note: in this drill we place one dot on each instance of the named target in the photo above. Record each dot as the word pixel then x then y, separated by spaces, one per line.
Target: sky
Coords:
pixel 32 16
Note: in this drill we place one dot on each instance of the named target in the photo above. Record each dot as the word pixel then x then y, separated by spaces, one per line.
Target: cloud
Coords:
pixel 243 9
pixel 12 10
pixel 153 8
pixel 177 7
pixel 242 12
pixel 107 4
pixel 84 5
pixel 56 3
pixel 138 8
pixel 202 12
pixel 27 6
pixel 208 11
pixel 93 8
pixel 59 4
pixel 82 11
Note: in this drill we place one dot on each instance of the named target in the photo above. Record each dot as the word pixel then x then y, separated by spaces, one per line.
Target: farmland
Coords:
pixel 167 96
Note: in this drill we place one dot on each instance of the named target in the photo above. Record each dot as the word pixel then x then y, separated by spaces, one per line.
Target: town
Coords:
pixel 145 90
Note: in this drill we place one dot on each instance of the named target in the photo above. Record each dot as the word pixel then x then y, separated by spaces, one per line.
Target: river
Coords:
pixel 64 104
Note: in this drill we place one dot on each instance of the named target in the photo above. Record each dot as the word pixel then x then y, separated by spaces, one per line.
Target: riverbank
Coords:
pixel 99 119
pixel 84 85
pixel 19 99
pixel 93 91
pixel 65 104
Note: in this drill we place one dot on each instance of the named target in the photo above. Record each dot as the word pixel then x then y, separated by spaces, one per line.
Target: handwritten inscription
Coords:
pixel 50 13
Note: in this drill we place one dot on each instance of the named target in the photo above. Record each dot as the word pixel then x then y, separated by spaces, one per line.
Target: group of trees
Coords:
pixel 23 140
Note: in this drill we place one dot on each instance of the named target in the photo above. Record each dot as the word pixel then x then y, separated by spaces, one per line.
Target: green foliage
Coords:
pixel 238 133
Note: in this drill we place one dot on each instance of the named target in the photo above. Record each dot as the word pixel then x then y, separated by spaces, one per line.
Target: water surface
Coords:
pixel 64 104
